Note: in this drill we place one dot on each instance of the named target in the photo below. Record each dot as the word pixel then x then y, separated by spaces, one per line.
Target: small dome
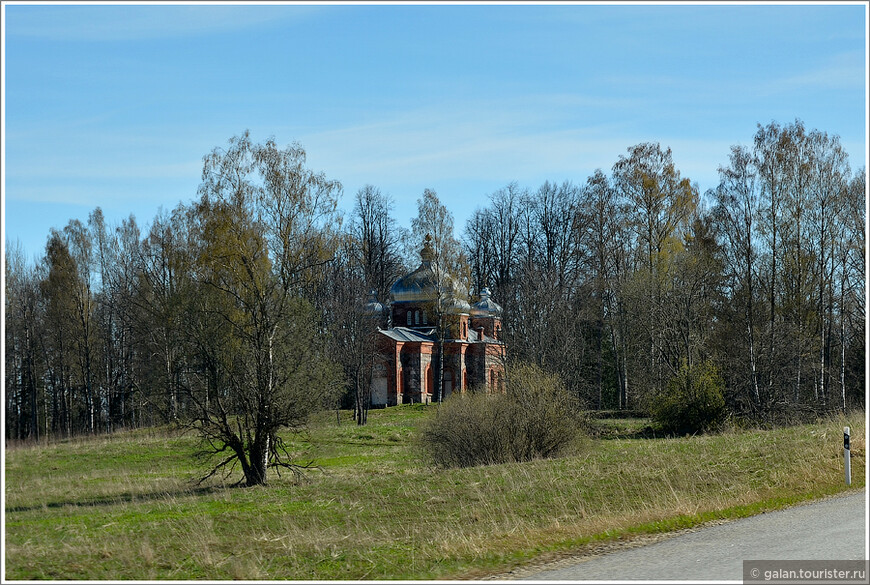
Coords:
pixel 455 306
pixel 485 307
pixel 373 307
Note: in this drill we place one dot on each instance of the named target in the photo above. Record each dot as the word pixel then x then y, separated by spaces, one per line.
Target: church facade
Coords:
pixel 408 350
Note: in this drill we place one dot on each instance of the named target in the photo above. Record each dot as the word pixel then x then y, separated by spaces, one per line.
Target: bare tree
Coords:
pixel 25 400
pixel 737 214
pixel 377 241
pixel 263 223
pixel 352 325
pixel 602 230
pixel 662 204
pixel 853 311
pixel 164 290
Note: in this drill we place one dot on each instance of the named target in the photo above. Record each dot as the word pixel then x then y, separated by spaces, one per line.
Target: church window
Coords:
pixel 425 320
pixel 408 314
pixel 416 317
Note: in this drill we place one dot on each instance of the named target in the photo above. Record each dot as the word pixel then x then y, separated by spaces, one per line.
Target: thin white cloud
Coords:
pixel 502 143
pixel 843 71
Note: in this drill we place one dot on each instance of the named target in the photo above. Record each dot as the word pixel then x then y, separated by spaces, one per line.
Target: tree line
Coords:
pixel 621 282
pixel 244 309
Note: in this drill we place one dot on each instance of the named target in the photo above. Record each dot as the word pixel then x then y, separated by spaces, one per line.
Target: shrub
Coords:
pixel 693 402
pixel 534 418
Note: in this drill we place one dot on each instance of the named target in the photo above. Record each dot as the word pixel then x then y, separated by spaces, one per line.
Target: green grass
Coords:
pixel 127 507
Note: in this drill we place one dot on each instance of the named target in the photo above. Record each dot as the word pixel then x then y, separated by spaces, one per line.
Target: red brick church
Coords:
pixel 407 368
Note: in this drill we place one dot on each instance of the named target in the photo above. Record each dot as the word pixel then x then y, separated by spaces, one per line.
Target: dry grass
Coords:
pixel 119 510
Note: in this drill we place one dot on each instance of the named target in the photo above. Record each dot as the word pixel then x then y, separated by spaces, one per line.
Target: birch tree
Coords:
pixel 262 228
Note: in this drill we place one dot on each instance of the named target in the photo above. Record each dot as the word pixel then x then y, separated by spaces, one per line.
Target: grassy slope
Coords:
pixel 124 507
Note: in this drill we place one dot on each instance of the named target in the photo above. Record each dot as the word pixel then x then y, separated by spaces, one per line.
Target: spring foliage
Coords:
pixel 693 401
pixel 535 418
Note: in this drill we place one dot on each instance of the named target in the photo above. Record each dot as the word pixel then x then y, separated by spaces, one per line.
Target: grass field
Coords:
pixel 126 506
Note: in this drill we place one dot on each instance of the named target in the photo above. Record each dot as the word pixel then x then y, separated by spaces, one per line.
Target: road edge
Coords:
pixel 549 561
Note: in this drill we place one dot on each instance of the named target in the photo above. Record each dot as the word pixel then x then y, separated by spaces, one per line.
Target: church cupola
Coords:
pixel 427 254
pixel 375 310
pixel 486 315
pixel 486 307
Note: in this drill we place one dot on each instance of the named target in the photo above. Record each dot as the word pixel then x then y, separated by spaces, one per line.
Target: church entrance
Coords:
pixel 379 385
pixel 448 382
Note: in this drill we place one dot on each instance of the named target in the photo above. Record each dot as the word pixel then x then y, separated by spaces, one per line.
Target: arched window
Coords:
pixel 408 314
pixel 430 384
pixel 416 317
pixel 425 320
pixel 498 331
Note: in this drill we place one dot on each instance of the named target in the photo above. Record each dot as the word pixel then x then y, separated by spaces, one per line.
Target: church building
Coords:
pixel 407 367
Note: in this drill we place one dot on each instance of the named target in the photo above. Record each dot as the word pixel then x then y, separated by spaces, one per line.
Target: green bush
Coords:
pixel 693 402
pixel 534 418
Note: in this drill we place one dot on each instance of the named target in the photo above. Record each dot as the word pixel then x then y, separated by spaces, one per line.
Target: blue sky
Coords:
pixel 115 106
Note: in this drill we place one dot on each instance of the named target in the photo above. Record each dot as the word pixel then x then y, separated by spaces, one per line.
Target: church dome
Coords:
pixel 419 286
pixel 485 307
pixel 372 307
pixel 457 305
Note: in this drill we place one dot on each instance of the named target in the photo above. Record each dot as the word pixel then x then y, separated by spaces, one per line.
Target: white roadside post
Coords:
pixel 846 456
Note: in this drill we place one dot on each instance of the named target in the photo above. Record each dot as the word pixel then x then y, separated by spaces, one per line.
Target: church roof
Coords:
pixel 454 304
pixel 420 286
pixel 485 306
pixel 479 337
pixel 373 307
pixel 407 335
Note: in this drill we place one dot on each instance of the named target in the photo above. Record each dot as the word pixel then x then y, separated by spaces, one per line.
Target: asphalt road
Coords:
pixel 831 529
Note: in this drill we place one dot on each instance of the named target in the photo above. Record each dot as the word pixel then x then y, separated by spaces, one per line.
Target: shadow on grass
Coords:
pixel 646 432
pixel 124 498
pixel 621 424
